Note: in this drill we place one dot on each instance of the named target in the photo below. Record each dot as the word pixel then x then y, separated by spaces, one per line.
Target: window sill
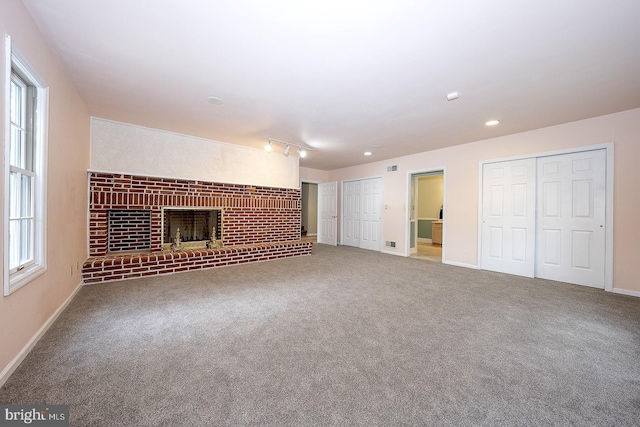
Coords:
pixel 22 277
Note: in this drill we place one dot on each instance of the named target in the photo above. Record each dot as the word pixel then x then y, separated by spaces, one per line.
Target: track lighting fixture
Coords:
pixel 302 150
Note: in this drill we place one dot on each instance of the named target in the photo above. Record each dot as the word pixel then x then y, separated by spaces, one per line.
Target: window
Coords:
pixel 25 158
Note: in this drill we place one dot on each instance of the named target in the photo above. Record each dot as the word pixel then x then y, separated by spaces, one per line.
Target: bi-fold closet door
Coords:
pixel 362 213
pixel 545 217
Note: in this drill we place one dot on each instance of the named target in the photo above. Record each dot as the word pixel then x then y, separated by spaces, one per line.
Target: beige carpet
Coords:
pixel 342 337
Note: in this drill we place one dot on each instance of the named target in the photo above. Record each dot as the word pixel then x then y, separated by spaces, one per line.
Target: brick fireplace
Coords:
pixel 264 220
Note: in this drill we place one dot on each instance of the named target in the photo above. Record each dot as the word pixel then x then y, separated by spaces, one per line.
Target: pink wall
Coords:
pixel 24 312
pixel 461 164
pixel 313 175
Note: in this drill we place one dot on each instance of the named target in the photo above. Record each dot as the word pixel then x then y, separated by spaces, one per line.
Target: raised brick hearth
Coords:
pixel 130 266
pixel 259 224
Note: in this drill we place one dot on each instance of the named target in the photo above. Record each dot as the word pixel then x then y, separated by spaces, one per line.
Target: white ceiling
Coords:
pixel 348 76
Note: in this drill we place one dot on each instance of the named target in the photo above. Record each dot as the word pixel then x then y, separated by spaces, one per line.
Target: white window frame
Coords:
pixel 14 280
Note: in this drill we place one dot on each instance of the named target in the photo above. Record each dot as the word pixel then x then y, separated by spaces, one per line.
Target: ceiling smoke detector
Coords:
pixel 452 96
pixel 214 100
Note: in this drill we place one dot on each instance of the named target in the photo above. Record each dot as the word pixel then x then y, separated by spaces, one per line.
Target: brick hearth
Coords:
pixel 131 266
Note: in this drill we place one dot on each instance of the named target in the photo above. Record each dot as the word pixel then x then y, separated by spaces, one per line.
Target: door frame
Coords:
pixel 609 148
pixel 407 224
pixel 308 181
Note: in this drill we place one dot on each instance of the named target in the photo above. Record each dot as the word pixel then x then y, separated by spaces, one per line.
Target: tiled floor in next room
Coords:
pixel 313 239
pixel 428 251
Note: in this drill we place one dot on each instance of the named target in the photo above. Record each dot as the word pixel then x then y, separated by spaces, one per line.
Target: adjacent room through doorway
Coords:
pixel 309 208
pixel 426 220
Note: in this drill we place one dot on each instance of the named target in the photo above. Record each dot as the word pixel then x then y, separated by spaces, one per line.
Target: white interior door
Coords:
pixel 508 217
pixel 571 218
pixel 328 208
pixel 371 213
pixel 351 214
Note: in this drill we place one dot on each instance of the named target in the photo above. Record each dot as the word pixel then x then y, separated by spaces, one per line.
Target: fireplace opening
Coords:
pixel 195 228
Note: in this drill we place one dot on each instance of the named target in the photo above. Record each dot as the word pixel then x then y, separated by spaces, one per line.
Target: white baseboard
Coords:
pixel 424 240
pixel 393 253
pixel 312 234
pixel 461 264
pixel 626 292
pixel 13 365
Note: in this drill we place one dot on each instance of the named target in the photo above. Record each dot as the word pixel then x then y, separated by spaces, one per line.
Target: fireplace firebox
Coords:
pixel 197 228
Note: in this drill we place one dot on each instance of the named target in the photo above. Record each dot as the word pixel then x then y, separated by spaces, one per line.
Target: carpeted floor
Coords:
pixel 342 337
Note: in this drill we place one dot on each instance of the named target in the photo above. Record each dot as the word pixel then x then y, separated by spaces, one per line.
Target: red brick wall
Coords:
pixel 251 214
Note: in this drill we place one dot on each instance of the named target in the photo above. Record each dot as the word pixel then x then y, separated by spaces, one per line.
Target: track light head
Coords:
pixel 302 150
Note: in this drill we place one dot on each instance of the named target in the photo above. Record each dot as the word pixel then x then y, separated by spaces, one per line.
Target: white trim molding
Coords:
pixel 16 61
pixel 461 264
pixel 393 253
pixel 13 365
pixel 626 292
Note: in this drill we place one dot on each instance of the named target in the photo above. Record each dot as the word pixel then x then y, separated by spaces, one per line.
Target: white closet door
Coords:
pixel 371 214
pixel 328 208
pixel 351 214
pixel 571 218
pixel 508 217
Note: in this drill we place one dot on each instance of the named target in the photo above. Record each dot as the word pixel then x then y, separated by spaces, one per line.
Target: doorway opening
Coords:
pixel 309 211
pixel 426 215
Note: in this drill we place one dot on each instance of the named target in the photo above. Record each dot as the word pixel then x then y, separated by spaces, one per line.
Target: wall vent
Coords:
pixel 391 244
pixel 392 168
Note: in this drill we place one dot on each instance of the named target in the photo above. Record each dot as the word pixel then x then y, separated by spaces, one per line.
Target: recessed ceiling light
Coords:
pixel 492 122
pixel 367 153
pixel 214 100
